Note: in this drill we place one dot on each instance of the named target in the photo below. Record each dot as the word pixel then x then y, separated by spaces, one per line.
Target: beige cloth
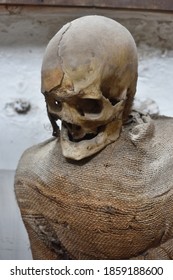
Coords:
pixel 117 204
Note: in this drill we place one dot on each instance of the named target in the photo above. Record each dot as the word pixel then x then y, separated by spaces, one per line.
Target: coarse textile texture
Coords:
pixel 117 204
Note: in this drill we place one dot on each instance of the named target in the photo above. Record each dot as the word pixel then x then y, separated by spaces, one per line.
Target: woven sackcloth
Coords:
pixel 117 204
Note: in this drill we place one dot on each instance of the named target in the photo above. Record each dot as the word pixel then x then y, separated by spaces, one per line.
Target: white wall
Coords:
pixel 22 42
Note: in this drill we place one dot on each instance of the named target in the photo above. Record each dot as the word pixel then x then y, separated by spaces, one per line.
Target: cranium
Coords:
pixel 89 75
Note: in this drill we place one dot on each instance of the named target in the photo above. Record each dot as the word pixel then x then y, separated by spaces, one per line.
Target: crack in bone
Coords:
pixel 58 52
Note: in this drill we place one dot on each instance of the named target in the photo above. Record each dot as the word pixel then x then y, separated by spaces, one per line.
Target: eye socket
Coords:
pixel 89 106
pixel 57 102
pixel 113 101
pixel 58 105
pixel 106 93
pixel 53 103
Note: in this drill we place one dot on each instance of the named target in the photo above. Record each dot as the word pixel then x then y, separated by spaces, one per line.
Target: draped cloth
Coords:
pixel 117 204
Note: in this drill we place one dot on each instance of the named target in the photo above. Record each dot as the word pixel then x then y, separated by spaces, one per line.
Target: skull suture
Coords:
pixel 89 75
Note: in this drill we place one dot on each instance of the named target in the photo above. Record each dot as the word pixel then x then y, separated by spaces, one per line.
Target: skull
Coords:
pixel 89 76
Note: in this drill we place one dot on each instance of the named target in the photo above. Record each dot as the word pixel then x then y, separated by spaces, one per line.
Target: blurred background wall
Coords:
pixel 24 34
